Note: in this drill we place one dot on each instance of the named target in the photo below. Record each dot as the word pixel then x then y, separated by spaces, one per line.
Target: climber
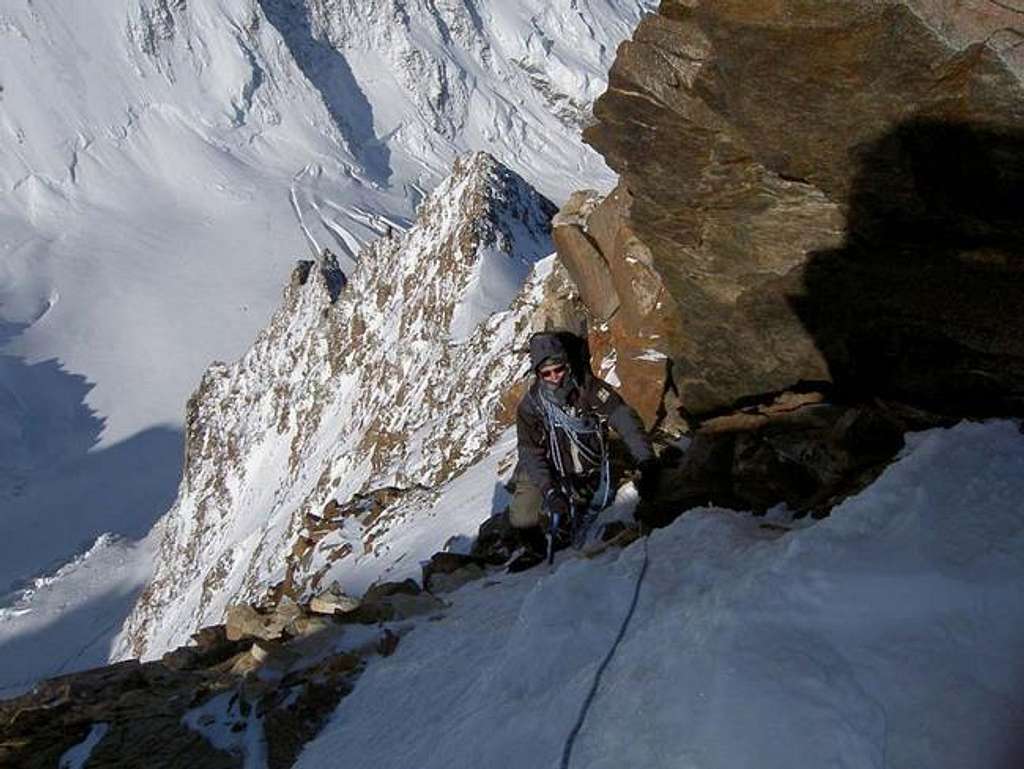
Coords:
pixel 561 425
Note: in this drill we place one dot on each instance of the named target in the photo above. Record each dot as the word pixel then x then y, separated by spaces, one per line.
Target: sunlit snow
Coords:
pixel 164 164
pixel 886 635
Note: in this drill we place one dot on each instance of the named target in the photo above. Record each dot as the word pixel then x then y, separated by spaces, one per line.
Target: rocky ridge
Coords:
pixel 393 381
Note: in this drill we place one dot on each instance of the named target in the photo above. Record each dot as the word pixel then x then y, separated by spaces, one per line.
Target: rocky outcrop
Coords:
pixel 445 572
pixel 269 678
pixel 799 452
pixel 206 714
pixel 633 318
pixel 829 193
pixel 354 406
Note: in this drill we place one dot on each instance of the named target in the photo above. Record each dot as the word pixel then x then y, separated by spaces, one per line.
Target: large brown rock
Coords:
pixel 582 257
pixel 830 192
pixel 633 318
pixel 245 621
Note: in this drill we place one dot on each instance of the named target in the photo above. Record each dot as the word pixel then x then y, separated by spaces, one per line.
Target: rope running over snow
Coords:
pixel 588 701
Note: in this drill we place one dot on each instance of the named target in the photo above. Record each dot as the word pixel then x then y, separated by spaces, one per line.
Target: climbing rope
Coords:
pixel 588 701
pixel 557 419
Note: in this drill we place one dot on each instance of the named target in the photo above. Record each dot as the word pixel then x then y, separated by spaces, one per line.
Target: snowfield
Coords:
pixel 164 164
pixel 887 635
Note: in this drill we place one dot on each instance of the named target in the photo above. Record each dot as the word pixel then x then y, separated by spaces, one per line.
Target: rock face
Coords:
pixel 217 704
pixel 798 452
pixel 633 318
pixel 353 406
pixel 830 193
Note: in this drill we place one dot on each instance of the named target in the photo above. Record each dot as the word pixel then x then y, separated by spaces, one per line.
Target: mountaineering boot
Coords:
pixel 531 551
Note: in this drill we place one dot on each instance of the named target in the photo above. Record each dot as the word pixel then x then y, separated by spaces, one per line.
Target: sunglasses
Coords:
pixel 553 372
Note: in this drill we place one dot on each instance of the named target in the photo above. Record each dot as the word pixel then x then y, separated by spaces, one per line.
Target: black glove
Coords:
pixel 557 503
pixel 647 482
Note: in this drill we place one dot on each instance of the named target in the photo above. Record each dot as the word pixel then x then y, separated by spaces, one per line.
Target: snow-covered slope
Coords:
pixel 887 635
pixel 156 155
pixel 351 390
pixel 164 162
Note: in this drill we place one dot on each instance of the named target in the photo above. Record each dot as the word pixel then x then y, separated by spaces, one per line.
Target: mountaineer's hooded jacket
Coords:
pixel 586 400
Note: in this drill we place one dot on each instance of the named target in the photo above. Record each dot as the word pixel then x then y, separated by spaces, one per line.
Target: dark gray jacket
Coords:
pixel 594 396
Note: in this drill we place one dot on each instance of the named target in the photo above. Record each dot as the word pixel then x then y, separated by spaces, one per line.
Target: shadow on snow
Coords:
pixel 329 72
pixel 58 494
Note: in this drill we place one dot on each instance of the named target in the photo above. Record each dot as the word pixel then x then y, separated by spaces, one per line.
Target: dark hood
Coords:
pixel 546 346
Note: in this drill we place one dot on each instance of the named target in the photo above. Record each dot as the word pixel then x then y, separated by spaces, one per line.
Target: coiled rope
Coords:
pixel 557 419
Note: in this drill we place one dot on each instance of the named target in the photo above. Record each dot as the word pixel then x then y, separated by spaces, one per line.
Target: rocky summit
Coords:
pixel 830 196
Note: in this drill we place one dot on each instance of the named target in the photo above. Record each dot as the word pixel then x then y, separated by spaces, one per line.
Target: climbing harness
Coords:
pixel 588 701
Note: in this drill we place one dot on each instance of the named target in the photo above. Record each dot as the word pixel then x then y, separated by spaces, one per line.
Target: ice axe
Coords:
pixel 555 523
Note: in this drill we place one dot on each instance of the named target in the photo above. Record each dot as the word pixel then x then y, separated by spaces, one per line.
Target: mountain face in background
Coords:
pixel 392 383
pixel 844 586
pixel 164 163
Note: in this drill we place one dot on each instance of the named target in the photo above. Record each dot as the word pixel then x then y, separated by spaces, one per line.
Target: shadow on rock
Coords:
pixel 922 302
pixel 805 455
pixel 917 315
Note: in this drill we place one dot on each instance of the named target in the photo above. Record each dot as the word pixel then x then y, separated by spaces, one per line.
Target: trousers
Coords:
pixel 526 509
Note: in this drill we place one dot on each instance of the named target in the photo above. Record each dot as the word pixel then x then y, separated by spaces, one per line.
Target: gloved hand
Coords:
pixel 557 503
pixel 647 482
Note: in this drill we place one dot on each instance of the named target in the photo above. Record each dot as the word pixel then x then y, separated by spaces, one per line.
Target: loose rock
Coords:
pixel 333 603
pixel 445 572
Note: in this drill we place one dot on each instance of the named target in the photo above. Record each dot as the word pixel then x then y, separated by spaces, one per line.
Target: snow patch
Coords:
pixel 606 369
pixel 652 355
pixel 77 757
pixel 231 725
pixel 493 284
